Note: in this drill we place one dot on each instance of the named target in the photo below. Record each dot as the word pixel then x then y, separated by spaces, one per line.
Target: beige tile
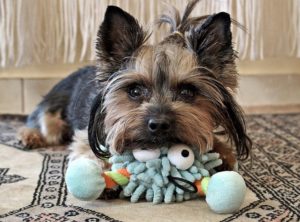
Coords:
pixel 269 90
pixel 34 90
pixel 10 96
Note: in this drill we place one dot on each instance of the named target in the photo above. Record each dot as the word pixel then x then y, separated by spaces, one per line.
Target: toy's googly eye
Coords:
pixel 181 156
pixel 145 155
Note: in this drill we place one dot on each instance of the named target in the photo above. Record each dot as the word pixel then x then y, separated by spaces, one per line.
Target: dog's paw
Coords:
pixel 228 165
pixel 31 138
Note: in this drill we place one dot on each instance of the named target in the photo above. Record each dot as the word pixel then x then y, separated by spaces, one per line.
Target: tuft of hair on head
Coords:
pixel 171 16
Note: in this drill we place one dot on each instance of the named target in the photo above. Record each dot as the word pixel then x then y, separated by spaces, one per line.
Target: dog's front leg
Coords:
pixel 226 154
pixel 80 148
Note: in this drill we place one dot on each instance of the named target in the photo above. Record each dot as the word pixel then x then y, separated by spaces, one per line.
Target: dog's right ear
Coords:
pixel 118 37
pixel 96 134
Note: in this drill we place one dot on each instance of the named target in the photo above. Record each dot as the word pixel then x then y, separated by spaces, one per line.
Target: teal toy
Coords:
pixel 165 175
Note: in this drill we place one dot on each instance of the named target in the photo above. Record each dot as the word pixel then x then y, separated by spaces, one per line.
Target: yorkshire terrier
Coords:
pixel 180 90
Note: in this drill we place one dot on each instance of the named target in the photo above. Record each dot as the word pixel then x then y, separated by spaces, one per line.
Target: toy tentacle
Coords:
pixel 158 180
pixel 204 172
pixel 209 157
pixel 179 197
pixel 193 169
pixel 179 191
pixel 175 173
pixel 132 166
pixel 151 172
pixel 197 176
pixel 157 197
pixel 149 194
pixel 117 166
pixel 212 164
pixel 166 167
pixel 144 177
pixel 169 193
pixel 121 159
pixel 198 164
pixel 186 175
pixel 137 193
pixel 165 180
pixel 128 190
pixel 156 163
pixel 139 168
pixel 186 196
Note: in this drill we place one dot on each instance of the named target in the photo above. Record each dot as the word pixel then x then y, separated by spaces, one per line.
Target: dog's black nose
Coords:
pixel 161 125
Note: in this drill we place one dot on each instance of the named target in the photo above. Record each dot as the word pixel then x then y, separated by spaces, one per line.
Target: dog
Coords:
pixel 179 90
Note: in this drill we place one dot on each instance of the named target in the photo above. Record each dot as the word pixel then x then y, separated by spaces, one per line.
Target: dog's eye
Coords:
pixel 187 92
pixel 135 91
pixel 181 156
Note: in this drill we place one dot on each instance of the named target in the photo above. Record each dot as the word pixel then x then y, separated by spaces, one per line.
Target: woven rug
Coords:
pixel 32 186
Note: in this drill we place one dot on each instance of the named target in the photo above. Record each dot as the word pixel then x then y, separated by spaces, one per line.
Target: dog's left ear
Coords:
pixel 212 42
pixel 213 37
pixel 118 37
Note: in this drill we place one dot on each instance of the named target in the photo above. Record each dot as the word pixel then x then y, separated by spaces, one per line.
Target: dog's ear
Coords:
pixel 118 37
pixel 212 37
pixel 212 43
pixel 96 134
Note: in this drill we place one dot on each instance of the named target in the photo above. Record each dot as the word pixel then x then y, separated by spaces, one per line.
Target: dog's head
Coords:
pixel 176 91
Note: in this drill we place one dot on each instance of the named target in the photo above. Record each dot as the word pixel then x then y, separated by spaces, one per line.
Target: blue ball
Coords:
pixel 226 192
pixel 84 180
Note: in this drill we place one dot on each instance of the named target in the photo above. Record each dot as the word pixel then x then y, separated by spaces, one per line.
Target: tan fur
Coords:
pixel 52 127
pixel 182 61
pixel 227 155
pixel 80 148
pixel 31 138
pixel 125 124
pixel 195 126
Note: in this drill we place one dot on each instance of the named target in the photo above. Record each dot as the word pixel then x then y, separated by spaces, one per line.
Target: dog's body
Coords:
pixel 148 96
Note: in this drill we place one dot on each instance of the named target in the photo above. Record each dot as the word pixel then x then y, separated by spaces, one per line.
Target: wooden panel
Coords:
pixel 275 90
pixel 34 90
pixel 10 96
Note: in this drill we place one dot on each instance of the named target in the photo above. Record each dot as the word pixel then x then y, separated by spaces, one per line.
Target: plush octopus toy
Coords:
pixel 161 175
